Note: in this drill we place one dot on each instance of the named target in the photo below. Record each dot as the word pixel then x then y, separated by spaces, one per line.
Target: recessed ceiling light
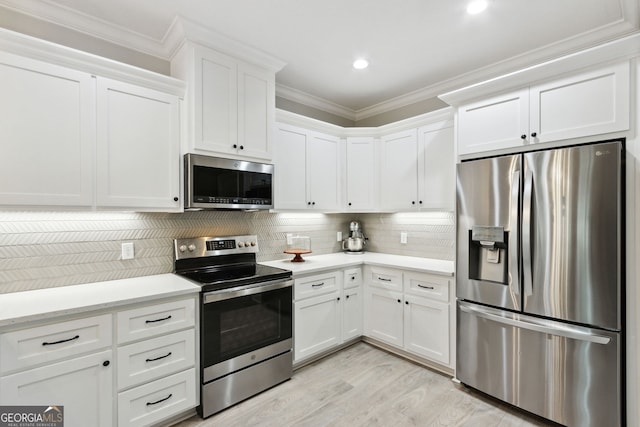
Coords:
pixel 360 64
pixel 476 6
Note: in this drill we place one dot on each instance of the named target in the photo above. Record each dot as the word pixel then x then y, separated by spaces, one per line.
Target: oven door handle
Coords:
pixel 242 291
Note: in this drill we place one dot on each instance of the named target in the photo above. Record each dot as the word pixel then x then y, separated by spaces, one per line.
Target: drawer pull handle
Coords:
pixel 425 287
pixel 160 401
pixel 61 341
pixel 158 320
pixel 158 358
pixel 317 285
pixel 383 279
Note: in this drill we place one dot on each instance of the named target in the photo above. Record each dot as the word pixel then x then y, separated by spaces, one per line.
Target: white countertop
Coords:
pixel 316 263
pixel 41 304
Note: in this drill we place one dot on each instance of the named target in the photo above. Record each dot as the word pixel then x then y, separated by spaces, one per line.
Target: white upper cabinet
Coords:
pixel 399 175
pixel 47 132
pixel 307 169
pixel 138 147
pixel 590 103
pixel 437 183
pixel 77 139
pixel 231 103
pixel 418 168
pixel 361 168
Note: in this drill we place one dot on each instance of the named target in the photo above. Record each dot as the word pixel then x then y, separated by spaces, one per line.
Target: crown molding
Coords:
pixel 62 16
pixel 313 101
pixel 617 50
pixel 183 29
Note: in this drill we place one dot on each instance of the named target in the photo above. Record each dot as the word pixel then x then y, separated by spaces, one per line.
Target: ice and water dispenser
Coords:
pixel 488 251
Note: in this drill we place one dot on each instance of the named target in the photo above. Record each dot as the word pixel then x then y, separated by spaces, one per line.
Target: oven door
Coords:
pixel 244 326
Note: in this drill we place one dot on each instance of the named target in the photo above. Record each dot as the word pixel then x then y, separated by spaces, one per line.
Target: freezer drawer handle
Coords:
pixel 61 341
pixel 566 330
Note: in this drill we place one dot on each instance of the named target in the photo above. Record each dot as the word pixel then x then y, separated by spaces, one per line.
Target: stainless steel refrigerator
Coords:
pixel 540 281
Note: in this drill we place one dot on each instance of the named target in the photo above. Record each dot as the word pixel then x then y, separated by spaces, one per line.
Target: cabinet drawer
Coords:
pixel 48 343
pixel 149 321
pixel 427 285
pixel 158 400
pixel 386 278
pixel 319 284
pixel 352 278
pixel 155 358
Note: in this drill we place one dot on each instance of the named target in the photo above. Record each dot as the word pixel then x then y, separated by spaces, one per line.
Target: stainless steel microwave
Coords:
pixel 217 183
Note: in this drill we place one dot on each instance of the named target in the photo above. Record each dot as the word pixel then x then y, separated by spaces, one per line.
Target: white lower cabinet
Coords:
pixel 317 325
pixel 417 319
pixel 327 311
pixel 82 385
pixel 71 362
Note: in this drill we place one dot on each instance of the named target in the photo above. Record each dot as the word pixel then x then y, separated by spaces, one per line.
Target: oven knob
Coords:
pixel 182 248
pixel 247 243
pixel 253 243
pixel 241 244
pixel 191 247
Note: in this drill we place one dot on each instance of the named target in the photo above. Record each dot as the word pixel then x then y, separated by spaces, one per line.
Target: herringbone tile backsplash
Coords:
pixel 50 249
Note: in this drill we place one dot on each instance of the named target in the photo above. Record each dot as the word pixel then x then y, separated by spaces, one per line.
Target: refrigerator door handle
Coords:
pixel 533 324
pixel 514 277
pixel 526 233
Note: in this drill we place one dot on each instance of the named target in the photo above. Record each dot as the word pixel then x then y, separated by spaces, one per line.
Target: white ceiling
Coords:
pixel 415 47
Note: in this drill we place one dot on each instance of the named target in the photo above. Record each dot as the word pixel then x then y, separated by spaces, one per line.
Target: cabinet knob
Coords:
pixel 313 203
pixel 523 136
pixel 242 147
pixel 338 298
pixel 420 202
pixel 347 297
pixel 413 202
pixel 106 363
pixel 175 199
pixel 534 134
pixel 406 302
pixel 235 145
pixel 309 203
pixel 399 301
pixel 349 203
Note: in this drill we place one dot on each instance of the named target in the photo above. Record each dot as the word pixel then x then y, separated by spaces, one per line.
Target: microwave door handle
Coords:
pixel 526 233
pixel 514 277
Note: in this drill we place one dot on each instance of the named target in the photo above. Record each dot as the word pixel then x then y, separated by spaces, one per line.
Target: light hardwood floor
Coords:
pixel 365 386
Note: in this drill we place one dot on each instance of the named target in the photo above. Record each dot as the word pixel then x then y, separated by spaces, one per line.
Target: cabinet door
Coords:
pixel 495 123
pixel 323 172
pixel 590 103
pixel 384 313
pixel 426 328
pixel 138 147
pixel 316 325
pixel 84 386
pixel 352 306
pixel 360 173
pixel 215 101
pixel 47 132
pixel 436 184
pixel 399 177
pixel 256 112
pixel 290 153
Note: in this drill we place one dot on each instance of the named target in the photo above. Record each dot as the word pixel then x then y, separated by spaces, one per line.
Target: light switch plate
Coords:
pixel 339 236
pixel 127 250
pixel 289 238
pixel 403 237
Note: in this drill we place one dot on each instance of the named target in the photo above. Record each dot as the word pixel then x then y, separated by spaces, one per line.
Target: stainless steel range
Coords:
pixel 245 318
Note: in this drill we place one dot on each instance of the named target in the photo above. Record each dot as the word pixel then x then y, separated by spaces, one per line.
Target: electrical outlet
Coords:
pixel 127 251
pixel 339 236
pixel 289 238
pixel 403 238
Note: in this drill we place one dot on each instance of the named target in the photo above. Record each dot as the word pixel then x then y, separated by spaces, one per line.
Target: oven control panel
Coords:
pixel 208 246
